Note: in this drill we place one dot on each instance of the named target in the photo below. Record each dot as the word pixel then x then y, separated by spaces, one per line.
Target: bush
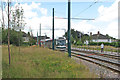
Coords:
pixel 99 43
pixel 118 44
pixel 32 41
pixel 119 50
pixel 14 37
pixel 115 44
pixel 25 44
pixel 105 43
pixel 93 43
pixel 79 43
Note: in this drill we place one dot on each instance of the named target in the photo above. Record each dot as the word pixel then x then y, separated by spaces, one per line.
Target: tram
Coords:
pixel 61 43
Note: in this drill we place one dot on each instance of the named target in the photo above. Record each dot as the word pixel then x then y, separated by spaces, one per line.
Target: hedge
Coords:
pixel 115 44
pixel 25 44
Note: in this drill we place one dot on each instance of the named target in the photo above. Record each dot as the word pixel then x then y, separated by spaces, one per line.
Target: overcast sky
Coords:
pixel 104 12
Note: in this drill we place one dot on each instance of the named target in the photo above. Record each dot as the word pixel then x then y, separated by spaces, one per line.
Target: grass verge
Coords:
pixel 36 62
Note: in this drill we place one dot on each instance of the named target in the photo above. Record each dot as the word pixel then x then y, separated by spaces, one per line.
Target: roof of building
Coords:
pixel 61 37
pixel 100 36
pixel 86 35
pixel 24 34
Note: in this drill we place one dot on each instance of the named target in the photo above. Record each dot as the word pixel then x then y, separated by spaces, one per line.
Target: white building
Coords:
pixel 25 37
pixel 101 38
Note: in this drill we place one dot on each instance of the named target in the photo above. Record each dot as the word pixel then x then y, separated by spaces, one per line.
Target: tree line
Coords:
pixel 16 39
pixel 79 38
pixel 16 25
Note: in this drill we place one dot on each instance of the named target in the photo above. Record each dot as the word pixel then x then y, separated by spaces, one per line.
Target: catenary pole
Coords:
pixel 69 30
pixel 53 32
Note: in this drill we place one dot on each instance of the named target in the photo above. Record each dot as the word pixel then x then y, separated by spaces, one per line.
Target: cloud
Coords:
pixel 83 26
pixel 43 11
pixel 112 29
pixel 35 5
pixel 46 26
pixel 108 14
pixel 28 10
pixel 0 16
pixel 31 13
pixel 106 22
pixel 33 20
pixel 31 9
pixel 107 18
pixel 0 13
pixel 5 17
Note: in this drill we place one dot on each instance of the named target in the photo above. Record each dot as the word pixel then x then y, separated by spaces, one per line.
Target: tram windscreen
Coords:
pixel 61 43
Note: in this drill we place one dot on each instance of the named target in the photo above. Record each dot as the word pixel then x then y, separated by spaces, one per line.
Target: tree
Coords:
pixel 73 35
pixel 28 33
pixel 31 40
pixel 76 36
pixel 72 39
pixel 84 38
pixel 18 21
pixel 13 37
pixel 18 18
pixel 2 22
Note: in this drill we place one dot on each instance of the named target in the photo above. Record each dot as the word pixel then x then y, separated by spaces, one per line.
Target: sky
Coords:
pixel 38 12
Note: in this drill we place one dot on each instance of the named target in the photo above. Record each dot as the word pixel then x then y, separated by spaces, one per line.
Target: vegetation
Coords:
pixel 36 62
pixel 115 44
pixel 78 38
pixel 75 37
pixel 94 47
pixel 14 38
pixel 17 21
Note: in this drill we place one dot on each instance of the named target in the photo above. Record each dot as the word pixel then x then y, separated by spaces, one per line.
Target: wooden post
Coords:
pixel 8 34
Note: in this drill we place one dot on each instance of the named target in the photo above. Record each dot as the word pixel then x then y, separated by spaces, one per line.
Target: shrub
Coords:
pixel 25 44
pixel 99 43
pixel 79 43
pixel 93 43
pixel 14 37
pixel 115 44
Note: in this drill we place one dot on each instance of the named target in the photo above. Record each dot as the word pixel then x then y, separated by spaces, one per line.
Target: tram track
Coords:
pixel 117 57
pixel 101 61
pixel 107 64
pixel 108 61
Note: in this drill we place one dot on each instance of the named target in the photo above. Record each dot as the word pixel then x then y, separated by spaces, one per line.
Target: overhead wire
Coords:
pixel 96 1
pixel 83 11
pixel 75 18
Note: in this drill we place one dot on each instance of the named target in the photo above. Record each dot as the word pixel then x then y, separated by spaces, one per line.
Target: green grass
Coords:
pixel 35 62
